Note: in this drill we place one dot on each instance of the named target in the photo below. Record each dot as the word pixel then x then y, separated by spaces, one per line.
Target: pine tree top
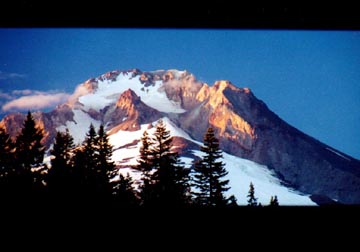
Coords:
pixel 274 201
pixel 209 174
pixel 252 201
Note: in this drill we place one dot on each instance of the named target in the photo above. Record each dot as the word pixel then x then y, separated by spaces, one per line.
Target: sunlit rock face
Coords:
pixel 246 127
pixel 214 109
pixel 129 113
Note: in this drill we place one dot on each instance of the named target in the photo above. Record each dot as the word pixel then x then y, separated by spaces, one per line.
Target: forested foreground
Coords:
pixel 85 175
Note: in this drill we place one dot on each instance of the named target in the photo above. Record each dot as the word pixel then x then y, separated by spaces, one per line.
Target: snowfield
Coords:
pixel 129 154
pixel 241 171
pixel 80 126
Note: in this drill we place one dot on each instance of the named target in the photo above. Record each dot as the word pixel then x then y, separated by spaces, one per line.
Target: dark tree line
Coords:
pixel 85 172
pixel 21 162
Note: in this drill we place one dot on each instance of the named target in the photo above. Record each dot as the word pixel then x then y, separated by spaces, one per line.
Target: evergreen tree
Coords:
pixel 29 156
pixel 85 164
pixel 29 149
pixel 209 174
pixel 60 174
pixel 232 201
pixel 252 201
pixel 170 178
pixel 201 182
pixel 105 167
pixel 182 182
pixel 145 165
pixel 62 152
pixel 125 195
pixel 80 173
pixel 145 159
pixel 274 201
pixel 90 149
pixel 92 163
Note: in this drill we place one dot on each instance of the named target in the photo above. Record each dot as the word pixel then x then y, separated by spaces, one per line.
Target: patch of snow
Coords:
pixel 186 161
pixel 243 171
pixel 176 131
pixel 157 99
pixel 121 138
pixel 134 174
pixel 47 160
pixel 126 156
pixel 80 127
pixel 337 153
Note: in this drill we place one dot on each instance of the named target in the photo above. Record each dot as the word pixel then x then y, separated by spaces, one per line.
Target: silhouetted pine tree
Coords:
pixel 232 201
pixel 124 193
pixel 90 148
pixel 105 166
pixel 29 156
pixel 60 177
pixel 80 173
pixel 209 174
pixel 145 165
pixel 252 201
pixel 93 165
pixel 86 161
pixel 274 201
pixel 182 182
pixel 201 182
pixel 171 187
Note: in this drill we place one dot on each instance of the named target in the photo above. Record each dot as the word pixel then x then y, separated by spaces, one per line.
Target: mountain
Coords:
pixel 259 146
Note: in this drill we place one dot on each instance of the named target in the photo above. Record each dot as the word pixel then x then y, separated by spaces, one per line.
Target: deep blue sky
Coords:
pixel 311 79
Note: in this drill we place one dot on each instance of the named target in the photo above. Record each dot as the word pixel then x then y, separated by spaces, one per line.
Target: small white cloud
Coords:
pixel 24 92
pixel 5 96
pixel 79 91
pixel 39 100
pixel 26 99
pixel 6 76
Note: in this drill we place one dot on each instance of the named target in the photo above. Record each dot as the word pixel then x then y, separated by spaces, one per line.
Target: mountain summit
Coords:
pixel 129 102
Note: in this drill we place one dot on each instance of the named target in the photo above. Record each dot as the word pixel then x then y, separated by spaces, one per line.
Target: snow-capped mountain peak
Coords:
pixel 103 91
pixel 129 102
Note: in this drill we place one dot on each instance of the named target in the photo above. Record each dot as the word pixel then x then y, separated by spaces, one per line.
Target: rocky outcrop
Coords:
pixel 13 123
pixel 215 109
pixel 129 113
